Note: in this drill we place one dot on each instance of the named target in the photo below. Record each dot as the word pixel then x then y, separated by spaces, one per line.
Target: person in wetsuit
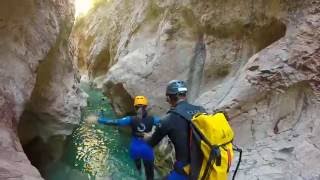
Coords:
pixel 140 124
pixel 176 127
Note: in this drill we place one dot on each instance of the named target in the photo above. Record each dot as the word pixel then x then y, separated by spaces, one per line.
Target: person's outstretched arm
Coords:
pixel 125 121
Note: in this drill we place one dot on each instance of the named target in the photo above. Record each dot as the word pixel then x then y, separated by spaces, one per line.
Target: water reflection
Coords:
pixel 95 152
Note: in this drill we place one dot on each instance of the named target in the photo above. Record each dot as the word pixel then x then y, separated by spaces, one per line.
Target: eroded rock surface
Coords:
pixel 36 77
pixel 257 60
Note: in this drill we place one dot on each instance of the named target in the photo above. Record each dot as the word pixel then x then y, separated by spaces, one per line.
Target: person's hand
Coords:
pixel 91 119
pixel 147 136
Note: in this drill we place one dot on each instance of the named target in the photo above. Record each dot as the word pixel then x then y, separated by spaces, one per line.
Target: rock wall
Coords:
pixel 186 39
pixel 257 60
pixel 37 79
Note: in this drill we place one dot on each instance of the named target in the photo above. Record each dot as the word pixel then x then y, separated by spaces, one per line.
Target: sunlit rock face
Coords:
pixel 257 60
pixel 148 43
pixel 36 77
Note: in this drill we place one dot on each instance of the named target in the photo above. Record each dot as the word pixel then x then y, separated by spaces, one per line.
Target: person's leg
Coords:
pixel 134 153
pixel 138 165
pixel 148 160
pixel 149 169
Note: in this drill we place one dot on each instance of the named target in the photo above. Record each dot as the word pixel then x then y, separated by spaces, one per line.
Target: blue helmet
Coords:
pixel 176 87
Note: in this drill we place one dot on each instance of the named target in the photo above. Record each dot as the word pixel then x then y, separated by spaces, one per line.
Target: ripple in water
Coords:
pixel 95 152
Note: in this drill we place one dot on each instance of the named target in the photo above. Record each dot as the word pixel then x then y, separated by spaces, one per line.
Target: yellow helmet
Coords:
pixel 140 100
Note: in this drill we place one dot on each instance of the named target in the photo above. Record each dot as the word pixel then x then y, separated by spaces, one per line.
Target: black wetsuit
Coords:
pixel 175 125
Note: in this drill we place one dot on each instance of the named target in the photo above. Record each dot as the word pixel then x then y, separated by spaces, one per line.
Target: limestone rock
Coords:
pixel 31 33
pixel 257 60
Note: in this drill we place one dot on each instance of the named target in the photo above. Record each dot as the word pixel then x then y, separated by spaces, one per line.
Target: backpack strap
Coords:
pixel 229 160
pixel 215 157
pixel 239 161
pixel 186 110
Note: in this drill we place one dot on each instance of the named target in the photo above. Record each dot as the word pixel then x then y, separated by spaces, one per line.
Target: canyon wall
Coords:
pixel 257 60
pixel 39 90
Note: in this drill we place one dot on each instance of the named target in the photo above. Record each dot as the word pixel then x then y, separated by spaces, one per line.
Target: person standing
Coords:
pixel 140 124
pixel 176 127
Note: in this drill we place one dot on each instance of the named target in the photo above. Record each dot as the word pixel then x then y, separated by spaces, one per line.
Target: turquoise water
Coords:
pixel 95 151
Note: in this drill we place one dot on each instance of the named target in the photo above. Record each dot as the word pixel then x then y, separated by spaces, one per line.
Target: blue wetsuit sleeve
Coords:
pixel 125 121
pixel 103 120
